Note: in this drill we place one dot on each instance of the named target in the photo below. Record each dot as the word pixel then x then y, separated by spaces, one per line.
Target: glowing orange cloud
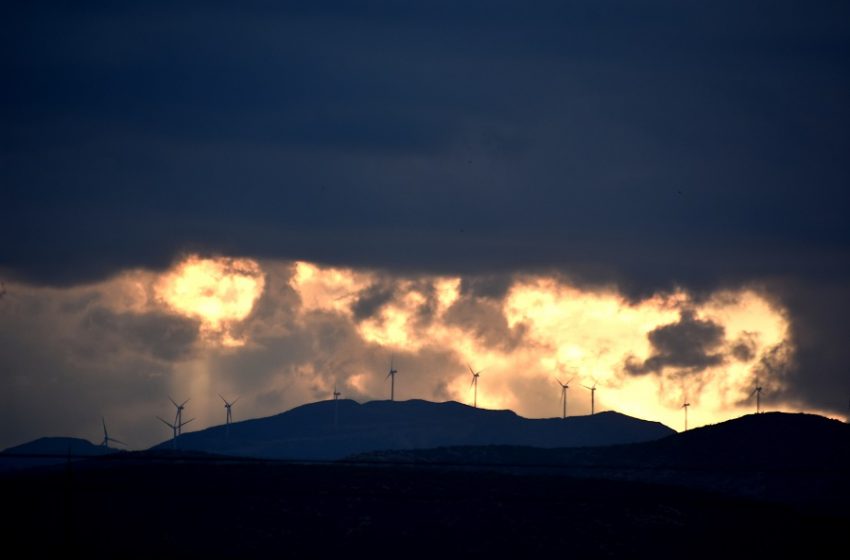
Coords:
pixel 217 291
pixel 567 331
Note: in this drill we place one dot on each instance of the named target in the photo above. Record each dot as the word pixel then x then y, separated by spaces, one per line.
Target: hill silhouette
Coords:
pixel 773 456
pixel 331 430
pixel 55 449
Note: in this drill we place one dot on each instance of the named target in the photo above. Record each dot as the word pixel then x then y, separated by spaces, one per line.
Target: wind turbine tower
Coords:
pixel 757 393
pixel 592 397
pixel 178 417
pixel 685 407
pixel 391 377
pixel 106 438
pixel 336 407
pixel 564 387
pixel 176 429
pixel 227 405
pixel 474 384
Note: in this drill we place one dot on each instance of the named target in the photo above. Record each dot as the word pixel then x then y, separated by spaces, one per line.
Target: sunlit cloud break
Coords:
pixel 217 292
pixel 647 357
pixel 280 334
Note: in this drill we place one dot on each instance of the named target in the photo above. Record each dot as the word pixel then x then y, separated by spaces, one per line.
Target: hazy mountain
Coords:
pixel 22 456
pixel 336 429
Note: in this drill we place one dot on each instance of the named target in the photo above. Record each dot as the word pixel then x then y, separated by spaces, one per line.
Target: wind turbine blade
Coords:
pixel 222 398
pixel 167 423
pixel 754 391
pixel 186 422
pixel 559 382
pixel 184 402
pixel 472 371
pixel 235 400
pixel 586 387
pixel 570 381
pixel 174 403
pixel 117 441
pixel 104 424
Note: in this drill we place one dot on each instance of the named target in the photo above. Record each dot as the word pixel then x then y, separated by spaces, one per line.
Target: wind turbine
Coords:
pixel 176 429
pixel 227 406
pixel 475 375
pixel 106 438
pixel 685 407
pixel 391 377
pixel 336 407
pixel 592 397
pixel 170 425
pixel 564 387
pixel 757 393
pixel 178 417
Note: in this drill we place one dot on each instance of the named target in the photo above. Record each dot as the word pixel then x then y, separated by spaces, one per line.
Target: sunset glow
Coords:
pixel 216 291
pixel 550 328
pixel 340 326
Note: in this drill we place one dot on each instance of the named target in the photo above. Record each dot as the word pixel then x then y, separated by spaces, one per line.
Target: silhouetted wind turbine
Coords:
pixel 564 387
pixel 391 377
pixel 227 406
pixel 757 393
pixel 176 429
pixel 474 384
pixel 592 397
pixel 336 407
pixel 170 425
pixel 178 417
pixel 685 407
pixel 106 438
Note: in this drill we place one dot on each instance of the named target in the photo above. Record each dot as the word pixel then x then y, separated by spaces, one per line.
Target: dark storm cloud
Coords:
pixel 689 345
pixel 744 349
pixel 164 337
pixel 819 311
pixel 617 142
pixel 67 361
pixel 484 318
pixel 651 146
pixel 372 299
pixel 493 287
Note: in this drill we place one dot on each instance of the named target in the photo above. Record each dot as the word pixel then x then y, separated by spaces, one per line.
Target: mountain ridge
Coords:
pixel 329 430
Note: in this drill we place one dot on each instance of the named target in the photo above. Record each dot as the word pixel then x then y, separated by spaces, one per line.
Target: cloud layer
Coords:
pixel 622 149
pixel 119 348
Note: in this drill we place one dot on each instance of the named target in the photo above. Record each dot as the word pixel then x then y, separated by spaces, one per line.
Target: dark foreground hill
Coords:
pixel 335 429
pixel 797 458
pixel 116 508
pixel 49 451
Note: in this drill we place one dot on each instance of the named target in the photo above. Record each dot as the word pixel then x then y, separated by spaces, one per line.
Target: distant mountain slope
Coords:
pixel 767 441
pixel 333 430
pixel 776 456
pixel 64 446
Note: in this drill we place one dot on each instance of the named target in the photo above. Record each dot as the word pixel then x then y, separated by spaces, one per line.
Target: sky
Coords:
pixel 268 201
